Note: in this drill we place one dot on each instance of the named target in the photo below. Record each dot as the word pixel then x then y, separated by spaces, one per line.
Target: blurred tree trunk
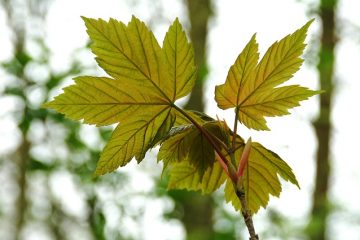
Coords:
pixel 320 208
pixel 17 13
pixel 21 156
pixel 199 14
pixel 198 210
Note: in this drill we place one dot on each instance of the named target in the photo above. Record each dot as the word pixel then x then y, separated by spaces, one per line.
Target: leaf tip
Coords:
pixel 134 19
pixel 307 25
pixel 310 21
pixel 262 127
pixel 86 19
pixel 254 43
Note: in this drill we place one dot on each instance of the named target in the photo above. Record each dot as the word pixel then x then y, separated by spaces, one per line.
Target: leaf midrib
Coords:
pixel 175 68
pixel 115 103
pixel 242 77
pixel 275 100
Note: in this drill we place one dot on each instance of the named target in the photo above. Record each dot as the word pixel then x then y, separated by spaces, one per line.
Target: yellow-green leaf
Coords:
pixel 104 101
pixel 260 178
pixel 179 57
pixel 129 52
pixel 188 144
pixel 231 94
pixel 176 147
pixel 133 137
pixel 251 88
pixel 146 81
pixel 185 176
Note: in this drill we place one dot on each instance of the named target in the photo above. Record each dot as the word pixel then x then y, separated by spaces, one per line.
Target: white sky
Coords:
pixel 292 137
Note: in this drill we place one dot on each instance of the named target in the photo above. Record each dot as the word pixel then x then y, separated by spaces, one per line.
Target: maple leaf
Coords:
pixel 260 177
pixel 183 175
pixel 252 88
pixel 187 144
pixel 188 160
pixel 191 162
pixel 145 82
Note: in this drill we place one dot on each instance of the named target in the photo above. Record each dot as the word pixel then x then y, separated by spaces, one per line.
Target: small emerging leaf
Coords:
pixel 244 158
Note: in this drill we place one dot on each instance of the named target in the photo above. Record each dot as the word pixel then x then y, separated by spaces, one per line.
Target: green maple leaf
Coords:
pixel 145 82
pixel 187 145
pixel 189 159
pixel 261 177
pixel 252 88
pixel 185 176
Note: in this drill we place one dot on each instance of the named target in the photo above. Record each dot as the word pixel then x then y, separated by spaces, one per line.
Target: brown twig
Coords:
pixel 246 214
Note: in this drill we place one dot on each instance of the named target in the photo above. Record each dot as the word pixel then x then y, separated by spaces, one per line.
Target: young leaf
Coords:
pixel 146 81
pixel 188 144
pixel 250 88
pixel 185 176
pixel 260 178
pixel 175 148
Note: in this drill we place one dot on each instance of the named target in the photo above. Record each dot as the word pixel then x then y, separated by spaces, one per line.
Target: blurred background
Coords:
pixel 46 161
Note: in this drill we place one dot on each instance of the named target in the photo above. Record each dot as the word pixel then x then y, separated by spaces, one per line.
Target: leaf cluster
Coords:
pixel 198 152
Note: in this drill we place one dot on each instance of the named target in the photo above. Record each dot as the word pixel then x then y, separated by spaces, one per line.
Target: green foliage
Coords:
pixel 199 153
pixel 250 86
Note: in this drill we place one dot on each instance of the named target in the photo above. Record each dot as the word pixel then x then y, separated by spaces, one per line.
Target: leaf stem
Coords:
pixel 239 188
pixel 218 141
pixel 235 130
pixel 233 142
